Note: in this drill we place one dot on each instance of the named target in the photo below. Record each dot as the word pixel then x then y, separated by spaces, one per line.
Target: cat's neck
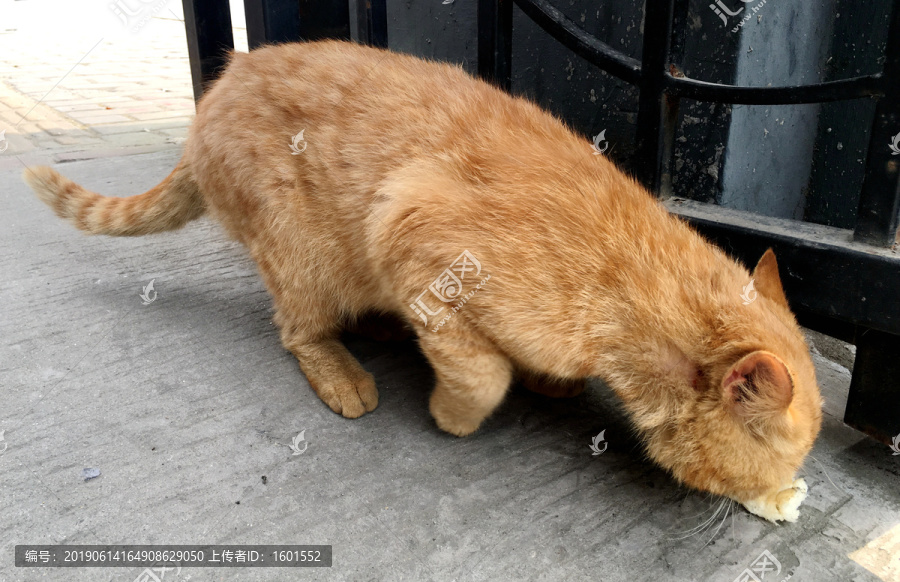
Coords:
pixel 657 291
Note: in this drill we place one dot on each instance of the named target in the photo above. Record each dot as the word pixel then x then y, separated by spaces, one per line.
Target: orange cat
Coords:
pixel 366 181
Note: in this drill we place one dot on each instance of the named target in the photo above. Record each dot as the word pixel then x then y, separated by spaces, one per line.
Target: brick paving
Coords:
pixel 69 94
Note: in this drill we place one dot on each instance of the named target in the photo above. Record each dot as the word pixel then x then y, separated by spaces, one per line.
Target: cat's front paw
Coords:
pixel 349 397
pixel 781 506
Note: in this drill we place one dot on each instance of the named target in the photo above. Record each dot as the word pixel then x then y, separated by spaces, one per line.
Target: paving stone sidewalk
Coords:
pixel 83 95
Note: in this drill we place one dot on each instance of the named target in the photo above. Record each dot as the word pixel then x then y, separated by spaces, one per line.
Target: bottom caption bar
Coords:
pixel 213 556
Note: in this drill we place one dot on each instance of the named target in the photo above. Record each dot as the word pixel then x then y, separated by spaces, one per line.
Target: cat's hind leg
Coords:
pixel 336 376
pixel 472 379
pixel 310 322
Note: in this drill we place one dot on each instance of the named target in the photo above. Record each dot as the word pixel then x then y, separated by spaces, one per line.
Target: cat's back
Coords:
pixel 376 107
pixel 327 81
pixel 359 116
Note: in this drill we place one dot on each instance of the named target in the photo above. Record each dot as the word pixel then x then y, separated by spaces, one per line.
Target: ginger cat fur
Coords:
pixel 407 165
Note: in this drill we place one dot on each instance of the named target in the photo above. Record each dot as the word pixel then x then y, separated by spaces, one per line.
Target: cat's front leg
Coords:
pixel 472 379
pixel 337 377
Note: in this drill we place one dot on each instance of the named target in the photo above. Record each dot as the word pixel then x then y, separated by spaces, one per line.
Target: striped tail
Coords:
pixel 167 206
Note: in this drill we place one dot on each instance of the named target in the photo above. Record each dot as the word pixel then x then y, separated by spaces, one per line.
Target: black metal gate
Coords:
pixel 840 282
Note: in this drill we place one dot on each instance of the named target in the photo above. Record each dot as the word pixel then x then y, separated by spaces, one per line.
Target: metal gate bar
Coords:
pixel 371 21
pixel 209 38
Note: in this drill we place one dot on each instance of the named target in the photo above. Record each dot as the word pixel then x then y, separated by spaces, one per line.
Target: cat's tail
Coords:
pixel 167 206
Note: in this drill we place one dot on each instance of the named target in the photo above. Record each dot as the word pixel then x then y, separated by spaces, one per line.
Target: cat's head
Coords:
pixel 751 411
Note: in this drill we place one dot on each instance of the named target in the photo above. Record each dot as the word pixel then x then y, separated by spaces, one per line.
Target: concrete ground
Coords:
pixel 188 405
pixel 185 404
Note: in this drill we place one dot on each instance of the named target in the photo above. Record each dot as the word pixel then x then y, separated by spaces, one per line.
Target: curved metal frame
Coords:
pixel 579 41
pixel 662 85
pixel 616 63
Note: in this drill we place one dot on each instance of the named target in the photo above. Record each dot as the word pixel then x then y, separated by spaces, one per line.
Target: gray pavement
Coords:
pixel 186 403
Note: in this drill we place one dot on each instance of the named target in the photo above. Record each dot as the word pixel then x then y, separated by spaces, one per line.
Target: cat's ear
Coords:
pixel 766 278
pixel 758 385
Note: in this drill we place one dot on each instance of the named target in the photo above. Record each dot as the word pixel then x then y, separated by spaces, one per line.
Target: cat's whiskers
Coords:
pixel 706 498
pixel 698 529
pixel 732 523
pixel 728 507
pixel 827 476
